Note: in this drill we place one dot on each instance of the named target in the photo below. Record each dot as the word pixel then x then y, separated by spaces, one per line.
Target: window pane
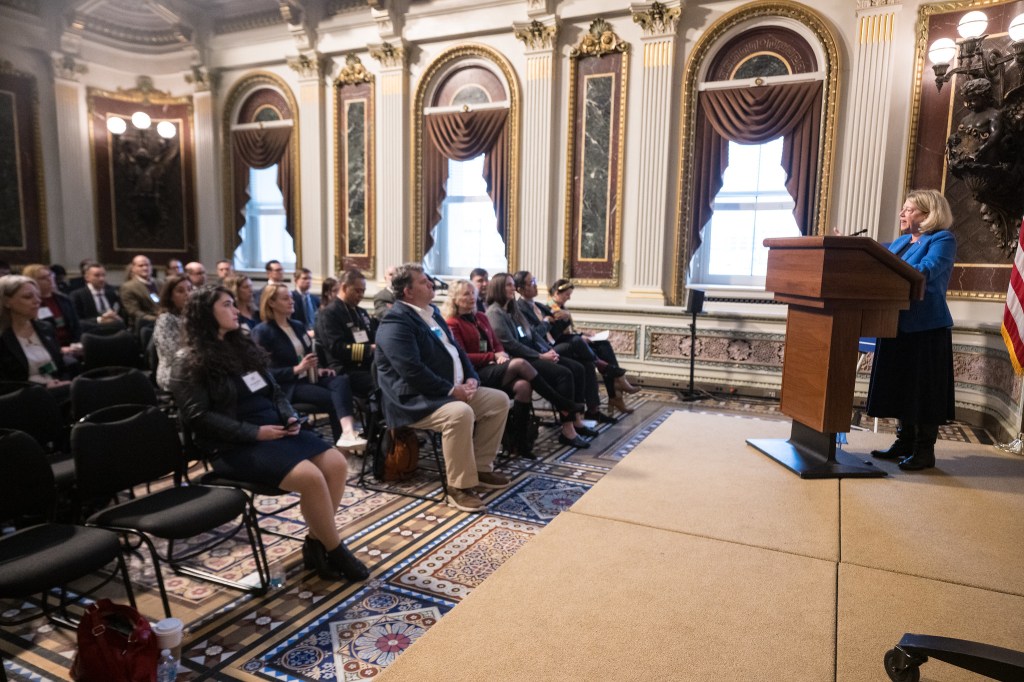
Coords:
pixel 263 235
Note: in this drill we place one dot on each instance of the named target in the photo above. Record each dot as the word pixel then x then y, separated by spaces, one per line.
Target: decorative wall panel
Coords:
pixel 717 348
pixel 145 194
pixel 598 66
pixel 22 198
pixel 355 217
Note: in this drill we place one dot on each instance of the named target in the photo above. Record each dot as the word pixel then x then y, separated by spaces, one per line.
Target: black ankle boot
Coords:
pixel 924 449
pixel 310 550
pixel 904 445
pixel 342 559
pixel 520 432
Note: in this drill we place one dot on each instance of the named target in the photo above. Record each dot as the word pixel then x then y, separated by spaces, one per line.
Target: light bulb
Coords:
pixel 972 24
pixel 141 120
pixel 116 125
pixel 942 51
pixel 1016 30
pixel 166 130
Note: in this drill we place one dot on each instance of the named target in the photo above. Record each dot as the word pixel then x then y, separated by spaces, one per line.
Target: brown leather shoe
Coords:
pixel 466 500
pixel 492 480
pixel 622 384
pixel 619 404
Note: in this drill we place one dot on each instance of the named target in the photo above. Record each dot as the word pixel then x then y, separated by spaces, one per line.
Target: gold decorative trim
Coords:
pixel 435 68
pixel 353 72
pixel 340 202
pixel 599 40
pixel 656 19
pixel 239 91
pixel 7 67
pixel 575 56
pixel 390 56
pixel 687 118
pixel 143 93
pixel 536 35
pixel 309 65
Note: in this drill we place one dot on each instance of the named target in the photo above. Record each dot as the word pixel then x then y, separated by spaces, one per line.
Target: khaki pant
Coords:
pixel 466 449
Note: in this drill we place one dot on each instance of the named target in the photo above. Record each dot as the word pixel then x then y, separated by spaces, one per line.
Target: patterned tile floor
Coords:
pixel 424 556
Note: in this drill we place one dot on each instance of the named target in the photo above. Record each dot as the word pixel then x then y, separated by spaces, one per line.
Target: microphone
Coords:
pixel 859 232
pixel 439 285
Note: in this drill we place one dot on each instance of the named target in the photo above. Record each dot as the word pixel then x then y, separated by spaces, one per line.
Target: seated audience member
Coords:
pixel 78 282
pixel 479 278
pixel 60 278
pixel 167 332
pixel 224 270
pixel 520 340
pixel 240 287
pixel 427 382
pixel 55 308
pixel 96 303
pixel 291 350
pixel 173 268
pixel 139 293
pixel 275 275
pixel 556 328
pixel 344 333
pixel 385 298
pixel 196 273
pixel 241 419
pixel 28 348
pixel 307 304
pixel 328 292
pixel 516 376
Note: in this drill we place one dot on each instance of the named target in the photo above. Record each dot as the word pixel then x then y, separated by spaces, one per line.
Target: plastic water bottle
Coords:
pixel 167 668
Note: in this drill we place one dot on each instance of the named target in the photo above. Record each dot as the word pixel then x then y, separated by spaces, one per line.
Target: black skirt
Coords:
pixel 912 378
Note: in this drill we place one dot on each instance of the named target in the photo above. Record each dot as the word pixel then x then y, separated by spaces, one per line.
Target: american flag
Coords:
pixel 1013 315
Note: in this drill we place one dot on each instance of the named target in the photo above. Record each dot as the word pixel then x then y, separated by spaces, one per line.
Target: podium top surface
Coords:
pixel 824 256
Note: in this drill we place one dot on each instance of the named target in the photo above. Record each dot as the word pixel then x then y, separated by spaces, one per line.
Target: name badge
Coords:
pixel 44 313
pixel 155 298
pixel 483 345
pixel 360 336
pixel 438 333
pixel 519 328
pixel 48 369
pixel 254 381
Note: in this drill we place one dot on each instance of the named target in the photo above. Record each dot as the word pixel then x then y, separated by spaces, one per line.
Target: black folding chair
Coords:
pixel 105 386
pixel 120 349
pixel 125 446
pixel 31 408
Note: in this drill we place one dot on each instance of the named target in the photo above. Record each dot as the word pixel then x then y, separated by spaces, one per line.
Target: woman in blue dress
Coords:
pixel 241 418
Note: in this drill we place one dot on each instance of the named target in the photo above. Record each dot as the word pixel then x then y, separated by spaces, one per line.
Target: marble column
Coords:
pixel 651 216
pixel 313 229
pixel 866 135
pixel 393 246
pixel 209 216
pixel 539 245
pixel 76 220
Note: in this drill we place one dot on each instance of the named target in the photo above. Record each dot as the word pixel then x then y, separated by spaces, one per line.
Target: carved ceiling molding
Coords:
pixel 301 25
pixel 657 18
pixel 537 34
pixel 390 56
pixel 599 40
pixel 66 67
pixel 354 72
pixel 202 79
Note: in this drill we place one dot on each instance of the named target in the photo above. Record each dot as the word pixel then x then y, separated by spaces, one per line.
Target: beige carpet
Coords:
pixel 695 474
pixel 877 607
pixel 595 599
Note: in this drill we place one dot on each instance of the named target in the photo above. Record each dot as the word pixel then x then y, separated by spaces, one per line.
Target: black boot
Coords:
pixel 904 445
pixel 557 400
pixel 342 559
pixel 521 440
pixel 333 565
pixel 924 449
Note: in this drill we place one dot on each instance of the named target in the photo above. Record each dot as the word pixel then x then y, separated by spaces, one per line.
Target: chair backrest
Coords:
pixel 31 408
pixel 114 350
pixel 123 446
pixel 27 488
pixel 106 386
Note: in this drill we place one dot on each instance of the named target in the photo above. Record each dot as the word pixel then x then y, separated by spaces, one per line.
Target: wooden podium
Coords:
pixel 838 289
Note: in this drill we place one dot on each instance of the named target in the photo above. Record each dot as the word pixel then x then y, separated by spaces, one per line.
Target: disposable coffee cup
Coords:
pixel 168 635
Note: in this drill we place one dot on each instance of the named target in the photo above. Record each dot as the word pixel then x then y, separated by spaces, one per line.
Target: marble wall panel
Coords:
pixel 22 208
pixel 354 167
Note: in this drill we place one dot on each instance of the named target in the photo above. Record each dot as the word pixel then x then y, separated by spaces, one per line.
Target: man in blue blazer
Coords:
pixel 306 302
pixel 428 382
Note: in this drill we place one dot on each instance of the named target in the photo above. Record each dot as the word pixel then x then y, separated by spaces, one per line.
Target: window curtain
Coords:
pixel 262 148
pixel 755 116
pixel 462 136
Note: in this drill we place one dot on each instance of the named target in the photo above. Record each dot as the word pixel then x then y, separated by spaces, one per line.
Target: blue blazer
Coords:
pixel 300 309
pixel 414 370
pixel 933 255
pixel 273 340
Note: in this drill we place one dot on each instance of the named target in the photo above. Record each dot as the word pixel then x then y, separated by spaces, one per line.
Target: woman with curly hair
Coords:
pixel 241 418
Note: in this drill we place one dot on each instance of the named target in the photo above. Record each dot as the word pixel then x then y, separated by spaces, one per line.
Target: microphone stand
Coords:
pixel 690 395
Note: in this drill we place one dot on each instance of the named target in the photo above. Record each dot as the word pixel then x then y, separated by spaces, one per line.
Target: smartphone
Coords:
pixel 301 419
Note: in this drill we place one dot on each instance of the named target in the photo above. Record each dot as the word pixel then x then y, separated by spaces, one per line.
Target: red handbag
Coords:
pixel 115 644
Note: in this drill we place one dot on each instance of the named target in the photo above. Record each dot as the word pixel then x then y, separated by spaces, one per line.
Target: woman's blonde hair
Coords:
pixel 269 292
pixel 9 286
pixel 34 270
pixel 450 308
pixel 233 282
pixel 931 202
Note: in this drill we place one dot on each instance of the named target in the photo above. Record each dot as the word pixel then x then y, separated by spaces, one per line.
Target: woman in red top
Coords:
pixel 516 376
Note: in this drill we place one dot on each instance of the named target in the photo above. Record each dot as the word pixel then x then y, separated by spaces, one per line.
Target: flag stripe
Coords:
pixel 1013 314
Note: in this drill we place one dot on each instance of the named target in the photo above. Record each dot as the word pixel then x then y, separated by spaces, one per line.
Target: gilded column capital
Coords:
pixel 353 72
pixel 201 78
pixel 599 40
pixel 66 67
pixel 657 18
pixel 390 56
pixel 537 34
pixel 307 65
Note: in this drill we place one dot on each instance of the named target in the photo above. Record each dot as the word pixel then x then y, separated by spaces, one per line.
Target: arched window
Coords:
pixel 466 182
pixel 262 150
pixel 757 120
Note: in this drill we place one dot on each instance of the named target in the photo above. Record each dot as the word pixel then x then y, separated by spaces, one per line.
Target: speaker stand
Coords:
pixel 690 395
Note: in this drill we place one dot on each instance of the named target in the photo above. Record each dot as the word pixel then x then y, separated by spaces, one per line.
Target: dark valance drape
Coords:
pixel 462 136
pixel 262 148
pixel 755 116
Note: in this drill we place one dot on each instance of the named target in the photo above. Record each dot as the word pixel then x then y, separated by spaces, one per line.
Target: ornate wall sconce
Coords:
pixel 986 148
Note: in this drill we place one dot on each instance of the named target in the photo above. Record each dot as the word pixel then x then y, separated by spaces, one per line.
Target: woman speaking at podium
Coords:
pixel 912 375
